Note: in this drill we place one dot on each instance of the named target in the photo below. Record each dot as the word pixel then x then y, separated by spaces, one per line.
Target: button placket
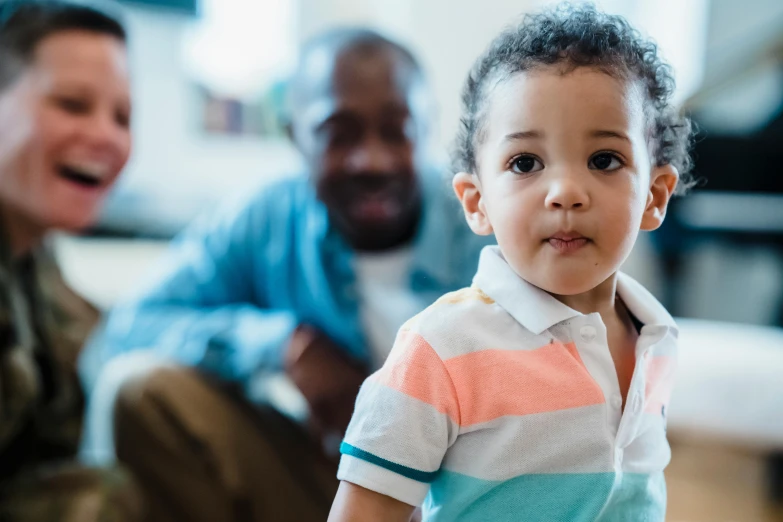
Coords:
pixel 618 457
pixel 589 336
pixel 631 417
pixel 637 403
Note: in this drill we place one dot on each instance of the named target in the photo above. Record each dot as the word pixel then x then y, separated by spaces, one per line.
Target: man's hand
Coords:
pixel 327 377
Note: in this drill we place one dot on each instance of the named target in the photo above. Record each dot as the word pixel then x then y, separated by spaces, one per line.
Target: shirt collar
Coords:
pixel 642 304
pixel 538 311
pixel 530 306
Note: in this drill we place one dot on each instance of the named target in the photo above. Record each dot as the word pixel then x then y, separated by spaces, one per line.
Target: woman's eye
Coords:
pixel 605 161
pixel 123 119
pixel 526 164
pixel 73 105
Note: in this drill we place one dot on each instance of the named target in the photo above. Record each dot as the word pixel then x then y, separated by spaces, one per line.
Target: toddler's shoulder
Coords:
pixel 461 308
pixel 457 323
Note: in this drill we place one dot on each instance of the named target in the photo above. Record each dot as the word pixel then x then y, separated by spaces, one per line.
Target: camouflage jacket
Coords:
pixel 43 325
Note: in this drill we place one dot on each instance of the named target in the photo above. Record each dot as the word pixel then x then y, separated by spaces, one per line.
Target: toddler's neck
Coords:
pixel 602 299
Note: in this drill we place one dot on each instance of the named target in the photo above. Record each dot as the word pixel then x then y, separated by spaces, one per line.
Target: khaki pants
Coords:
pixel 201 453
pixel 71 493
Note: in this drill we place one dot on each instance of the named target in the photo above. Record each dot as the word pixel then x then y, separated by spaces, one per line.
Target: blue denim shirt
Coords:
pixel 234 286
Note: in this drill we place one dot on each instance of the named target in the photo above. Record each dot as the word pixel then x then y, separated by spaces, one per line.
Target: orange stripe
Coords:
pixel 495 383
pixel 414 369
pixel 660 381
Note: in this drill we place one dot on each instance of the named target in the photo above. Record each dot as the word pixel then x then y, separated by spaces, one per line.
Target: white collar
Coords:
pixel 538 311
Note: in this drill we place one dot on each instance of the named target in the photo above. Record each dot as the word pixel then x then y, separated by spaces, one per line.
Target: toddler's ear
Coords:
pixel 468 190
pixel 663 181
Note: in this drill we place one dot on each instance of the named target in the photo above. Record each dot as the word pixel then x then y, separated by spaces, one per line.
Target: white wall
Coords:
pixel 740 31
pixel 175 169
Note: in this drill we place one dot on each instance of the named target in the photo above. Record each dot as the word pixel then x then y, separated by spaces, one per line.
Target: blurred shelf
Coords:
pixel 733 212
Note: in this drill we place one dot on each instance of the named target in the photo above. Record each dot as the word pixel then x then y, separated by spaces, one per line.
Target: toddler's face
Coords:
pixel 565 176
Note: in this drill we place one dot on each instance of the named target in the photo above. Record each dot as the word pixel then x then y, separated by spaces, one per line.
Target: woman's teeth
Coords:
pixel 85 173
pixel 93 169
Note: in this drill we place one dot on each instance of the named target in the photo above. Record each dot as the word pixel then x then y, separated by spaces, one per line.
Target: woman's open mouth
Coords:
pixel 86 175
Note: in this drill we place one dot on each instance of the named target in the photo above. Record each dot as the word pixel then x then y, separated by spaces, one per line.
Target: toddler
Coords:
pixel 540 392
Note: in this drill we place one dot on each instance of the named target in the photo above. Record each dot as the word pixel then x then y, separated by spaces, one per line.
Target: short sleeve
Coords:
pixel 406 417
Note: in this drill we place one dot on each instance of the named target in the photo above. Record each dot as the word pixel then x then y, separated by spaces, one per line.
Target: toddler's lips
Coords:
pixel 567 243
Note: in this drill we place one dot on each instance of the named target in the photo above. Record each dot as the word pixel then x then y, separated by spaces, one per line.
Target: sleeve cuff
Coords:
pixel 259 337
pixel 381 480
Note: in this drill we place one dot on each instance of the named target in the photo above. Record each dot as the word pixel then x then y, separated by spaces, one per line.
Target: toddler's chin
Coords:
pixel 569 283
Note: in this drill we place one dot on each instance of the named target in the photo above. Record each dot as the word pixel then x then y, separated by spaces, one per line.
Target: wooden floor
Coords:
pixel 708 482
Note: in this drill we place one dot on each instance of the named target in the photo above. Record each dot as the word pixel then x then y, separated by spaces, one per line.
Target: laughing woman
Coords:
pixel 64 138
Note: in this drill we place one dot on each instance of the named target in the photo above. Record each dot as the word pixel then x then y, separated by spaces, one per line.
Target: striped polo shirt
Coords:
pixel 500 403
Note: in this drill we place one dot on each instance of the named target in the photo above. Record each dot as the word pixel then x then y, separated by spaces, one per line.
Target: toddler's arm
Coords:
pixel 356 504
pixel 406 418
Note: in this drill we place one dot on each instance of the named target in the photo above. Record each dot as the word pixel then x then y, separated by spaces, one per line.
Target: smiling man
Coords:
pixel 310 277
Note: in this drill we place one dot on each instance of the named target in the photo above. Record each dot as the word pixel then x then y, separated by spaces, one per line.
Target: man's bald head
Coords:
pixel 320 56
pixel 359 113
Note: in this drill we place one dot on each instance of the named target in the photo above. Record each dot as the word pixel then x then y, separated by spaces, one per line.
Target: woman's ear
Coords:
pixel 663 181
pixel 468 190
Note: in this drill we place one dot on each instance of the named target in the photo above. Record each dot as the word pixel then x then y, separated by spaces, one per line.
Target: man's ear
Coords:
pixel 468 190
pixel 290 132
pixel 295 135
pixel 663 181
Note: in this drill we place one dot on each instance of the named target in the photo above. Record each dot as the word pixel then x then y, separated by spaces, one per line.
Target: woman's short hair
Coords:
pixel 25 23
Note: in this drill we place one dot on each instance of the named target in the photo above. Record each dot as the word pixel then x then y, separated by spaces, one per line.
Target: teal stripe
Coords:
pixel 578 497
pixel 638 497
pixel 405 471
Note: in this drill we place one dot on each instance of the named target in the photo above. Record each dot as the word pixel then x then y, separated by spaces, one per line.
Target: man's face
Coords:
pixel 358 133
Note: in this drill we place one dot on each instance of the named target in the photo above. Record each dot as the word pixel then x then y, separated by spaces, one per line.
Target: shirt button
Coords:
pixel 588 333
pixel 637 402
pixel 617 402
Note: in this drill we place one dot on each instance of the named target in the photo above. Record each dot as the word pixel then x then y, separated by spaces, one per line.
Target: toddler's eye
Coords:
pixel 526 164
pixel 605 161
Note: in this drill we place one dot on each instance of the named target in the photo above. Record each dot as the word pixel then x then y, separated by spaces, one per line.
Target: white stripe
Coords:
pixel 662 347
pixel 566 441
pixel 396 427
pixel 649 451
pixel 454 329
